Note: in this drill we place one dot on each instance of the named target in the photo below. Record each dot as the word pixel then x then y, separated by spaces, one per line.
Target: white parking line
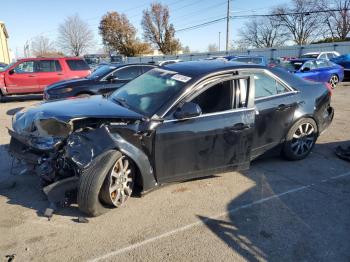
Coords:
pixel 189 226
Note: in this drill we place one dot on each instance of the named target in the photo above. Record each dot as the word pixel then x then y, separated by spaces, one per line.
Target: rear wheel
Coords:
pixel 107 183
pixel 333 81
pixel 301 138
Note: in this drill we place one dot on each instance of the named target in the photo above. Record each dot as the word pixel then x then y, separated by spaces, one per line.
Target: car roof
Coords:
pixel 46 58
pixel 203 67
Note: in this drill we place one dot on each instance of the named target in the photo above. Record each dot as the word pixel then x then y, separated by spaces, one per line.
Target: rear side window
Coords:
pixel 48 66
pixel 266 85
pixel 77 65
pixel 128 73
pixel 147 68
pixel 321 64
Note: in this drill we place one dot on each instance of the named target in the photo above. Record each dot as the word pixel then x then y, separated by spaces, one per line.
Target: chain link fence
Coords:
pixel 268 53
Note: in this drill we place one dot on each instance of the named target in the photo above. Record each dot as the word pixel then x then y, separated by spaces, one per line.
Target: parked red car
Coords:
pixel 32 75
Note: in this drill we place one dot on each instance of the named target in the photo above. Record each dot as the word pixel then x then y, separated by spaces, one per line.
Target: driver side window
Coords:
pixel 216 98
pixel 25 67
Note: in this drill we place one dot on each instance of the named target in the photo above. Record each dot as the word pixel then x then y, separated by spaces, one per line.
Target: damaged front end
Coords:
pixel 58 150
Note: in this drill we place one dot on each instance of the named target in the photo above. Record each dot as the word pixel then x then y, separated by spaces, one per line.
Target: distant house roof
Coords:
pixel 3 27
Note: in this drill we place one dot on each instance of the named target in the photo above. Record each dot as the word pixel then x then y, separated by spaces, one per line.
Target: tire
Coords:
pixel 333 81
pixel 95 183
pixel 300 139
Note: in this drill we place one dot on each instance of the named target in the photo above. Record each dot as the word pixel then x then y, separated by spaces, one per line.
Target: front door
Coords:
pixel 219 138
pixel 22 78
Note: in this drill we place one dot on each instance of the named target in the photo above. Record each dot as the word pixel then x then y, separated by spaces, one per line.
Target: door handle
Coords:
pixel 239 127
pixel 283 107
pixel 60 74
pixel 32 76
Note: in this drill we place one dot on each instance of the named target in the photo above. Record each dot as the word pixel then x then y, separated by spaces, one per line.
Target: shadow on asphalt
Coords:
pixel 282 229
pixel 22 98
pixel 310 225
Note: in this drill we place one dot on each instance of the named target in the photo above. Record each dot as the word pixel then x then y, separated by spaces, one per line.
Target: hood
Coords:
pixel 56 115
pixel 70 83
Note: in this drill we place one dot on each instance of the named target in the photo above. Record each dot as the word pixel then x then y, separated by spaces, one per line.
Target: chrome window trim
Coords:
pixel 291 90
pixel 226 73
pixel 120 68
pixel 234 110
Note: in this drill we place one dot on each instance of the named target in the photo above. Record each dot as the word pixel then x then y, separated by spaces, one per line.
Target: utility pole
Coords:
pixel 228 25
pixel 219 40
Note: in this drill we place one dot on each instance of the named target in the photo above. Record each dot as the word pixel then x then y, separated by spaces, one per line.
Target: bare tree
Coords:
pixel 303 25
pixel 42 46
pixel 263 32
pixel 338 22
pixel 120 35
pixel 213 48
pixel 74 36
pixel 157 29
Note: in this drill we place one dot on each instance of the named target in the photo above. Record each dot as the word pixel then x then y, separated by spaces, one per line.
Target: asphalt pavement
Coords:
pixel 276 211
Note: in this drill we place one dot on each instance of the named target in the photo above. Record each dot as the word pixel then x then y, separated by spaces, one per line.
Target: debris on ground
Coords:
pixel 343 153
pixel 81 220
pixel 10 258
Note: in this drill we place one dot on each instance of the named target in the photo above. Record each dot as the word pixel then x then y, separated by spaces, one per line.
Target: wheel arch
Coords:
pixel 83 148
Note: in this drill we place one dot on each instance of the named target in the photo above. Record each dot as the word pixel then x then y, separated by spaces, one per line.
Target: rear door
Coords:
pixel 275 105
pixel 48 71
pixel 324 70
pixel 22 78
pixel 220 138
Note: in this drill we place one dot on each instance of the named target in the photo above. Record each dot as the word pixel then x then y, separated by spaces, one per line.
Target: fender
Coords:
pixel 82 148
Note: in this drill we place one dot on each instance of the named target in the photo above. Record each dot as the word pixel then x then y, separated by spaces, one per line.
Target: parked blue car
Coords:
pixel 317 70
pixel 248 59
pixel 344 61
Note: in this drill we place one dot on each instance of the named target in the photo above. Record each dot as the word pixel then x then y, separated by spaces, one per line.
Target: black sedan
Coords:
pixel 183 121
pixel 105 79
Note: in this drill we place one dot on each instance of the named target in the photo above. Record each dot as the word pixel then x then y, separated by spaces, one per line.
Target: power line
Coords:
pixel 252 16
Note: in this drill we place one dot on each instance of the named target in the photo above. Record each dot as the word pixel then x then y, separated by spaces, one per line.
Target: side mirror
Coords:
pixel 188 110
pixel 12 71
pixel 306 69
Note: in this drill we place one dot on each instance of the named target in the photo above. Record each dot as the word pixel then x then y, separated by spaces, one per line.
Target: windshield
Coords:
pixel 147 93
pixel 292 66
pixel 101 71
pixel 6 67
pixel 309 56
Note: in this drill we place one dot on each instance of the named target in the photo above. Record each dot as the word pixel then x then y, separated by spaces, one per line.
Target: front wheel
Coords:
pixel 107 183
pixel 300 139
pixel 333 81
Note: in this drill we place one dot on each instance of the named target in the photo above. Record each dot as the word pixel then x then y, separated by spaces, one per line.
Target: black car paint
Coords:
pixel 91 86
pixel 166 149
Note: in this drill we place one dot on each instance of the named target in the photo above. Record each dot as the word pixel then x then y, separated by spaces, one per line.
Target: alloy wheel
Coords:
pixel 334 81
pixel 303 139
pixel 119 183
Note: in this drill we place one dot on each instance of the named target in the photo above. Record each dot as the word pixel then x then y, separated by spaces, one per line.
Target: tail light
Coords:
pixel 330 89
